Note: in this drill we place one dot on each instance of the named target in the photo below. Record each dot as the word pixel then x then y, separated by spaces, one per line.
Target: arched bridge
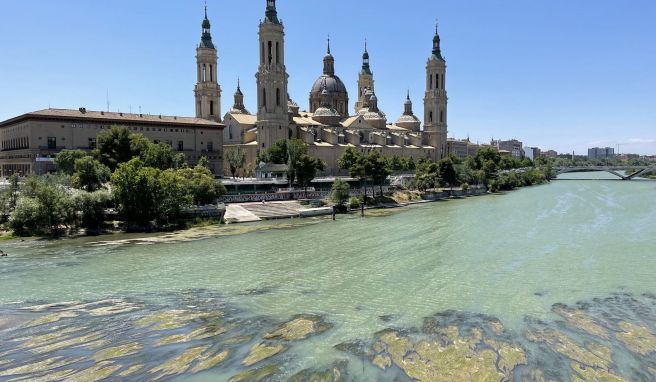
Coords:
pixel 622 172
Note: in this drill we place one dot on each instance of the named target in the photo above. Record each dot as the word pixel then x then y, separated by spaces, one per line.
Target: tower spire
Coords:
pixel 437 51
pixel 329 62
pixel 328 44
pixel 271 14
pixel 206 38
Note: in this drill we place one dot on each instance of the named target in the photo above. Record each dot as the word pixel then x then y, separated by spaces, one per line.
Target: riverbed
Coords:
pixel 501 284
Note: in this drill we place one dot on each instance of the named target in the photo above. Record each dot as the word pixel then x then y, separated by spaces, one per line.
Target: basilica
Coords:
pixel 329 127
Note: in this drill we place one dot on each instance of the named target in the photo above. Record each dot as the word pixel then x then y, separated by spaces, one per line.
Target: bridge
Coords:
pixel 619 171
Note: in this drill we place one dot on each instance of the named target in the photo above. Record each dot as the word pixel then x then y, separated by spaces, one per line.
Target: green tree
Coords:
pixel 236 157
pixel 133 191
pixel 117 145
pixel 159 156
pixel 349 158
pixel 65 160
pixel 44 208
pixel 340 192
pixel 396 164
pixel 276 154
pixel 171 195
pixel 179 161
pixel 447 172
pixel 90 174
pixel 201 185
pixel 13 191
pixel 91 206
pixel 377 168
pixel 306 170
pixel 204 162
pixel 296 149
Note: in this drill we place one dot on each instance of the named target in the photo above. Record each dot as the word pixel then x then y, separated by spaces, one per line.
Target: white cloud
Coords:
pixel 641 141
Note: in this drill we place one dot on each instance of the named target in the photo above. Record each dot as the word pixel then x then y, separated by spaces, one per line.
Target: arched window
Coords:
pixel 204 72
pixel 277 52
pixel 211 107
pixel 441 116
pixel 270 52
pixel 437 80
pixel 430 117
pixel 264 101
pixel 211 73
pixel 278 97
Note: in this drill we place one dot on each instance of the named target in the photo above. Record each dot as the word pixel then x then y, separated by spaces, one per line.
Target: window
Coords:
pixel 211 107
pixel 437 81
pixel 277 53
pixel 430 117
pixel 210 146
pixel 180 146
pixel 431 82
pixel 441 116
pixel 270 52
pixel 204 72
pixel 92 143
pixel 264 102
pixel 52 143
pixel 211 73
pixel 277 97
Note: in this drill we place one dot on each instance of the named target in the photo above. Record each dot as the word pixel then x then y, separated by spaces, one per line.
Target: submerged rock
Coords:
pixel 588 374
pixel 179 364
pixel 262 351
pixel 210 360
pixel 255 375
pixel 300 328
pixel 336 373
pixel 638 339
pixel 117 352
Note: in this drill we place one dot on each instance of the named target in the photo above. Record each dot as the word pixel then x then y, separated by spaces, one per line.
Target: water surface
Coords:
pixel 501 258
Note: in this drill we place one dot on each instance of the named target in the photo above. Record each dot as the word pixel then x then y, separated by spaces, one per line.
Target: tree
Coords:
pixel 296 149
pixel 171 195
pixel 132 190
pixel 353 161
pixel 91 206
pixel 236 157
pixel 340 193
pixel 447 172
pixel 204 162
pixel 44 208
pixel 117 145
pixel 276 154
pixel 377 169
pixel 65 160
pixel 306 170
pixel 14 188
pixel 396 164
pixel 201 185
pixel 90 174
pixel 159 156
pixel 179 161
pixel 349 158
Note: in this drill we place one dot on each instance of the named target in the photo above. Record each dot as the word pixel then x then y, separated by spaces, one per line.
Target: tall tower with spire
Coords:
pixel 365 80
pixel 208 90
pixel 435 101
pixel 272 77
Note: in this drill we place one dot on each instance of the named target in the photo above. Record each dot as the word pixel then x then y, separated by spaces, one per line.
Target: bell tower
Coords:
pixel 365 81
pixel 272 77
pixel 208 90
pixel 435 101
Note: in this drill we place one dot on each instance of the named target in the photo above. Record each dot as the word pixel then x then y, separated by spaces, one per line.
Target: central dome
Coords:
pixel 332 83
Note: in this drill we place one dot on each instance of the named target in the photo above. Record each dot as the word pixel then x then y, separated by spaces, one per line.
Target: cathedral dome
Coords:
pixel 332 83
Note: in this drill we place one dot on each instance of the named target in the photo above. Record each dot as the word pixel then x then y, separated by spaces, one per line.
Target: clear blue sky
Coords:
pixel 558 74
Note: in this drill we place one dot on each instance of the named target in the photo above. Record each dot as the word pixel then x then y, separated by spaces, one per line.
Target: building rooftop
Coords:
pixel 109 117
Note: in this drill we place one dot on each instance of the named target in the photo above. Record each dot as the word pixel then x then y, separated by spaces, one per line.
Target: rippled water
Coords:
pixel 503 257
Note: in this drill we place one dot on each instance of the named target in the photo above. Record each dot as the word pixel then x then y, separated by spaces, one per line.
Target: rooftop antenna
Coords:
pixel 108 100
pixel 139 109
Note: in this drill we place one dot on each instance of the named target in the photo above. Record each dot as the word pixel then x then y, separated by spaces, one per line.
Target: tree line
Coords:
pixel 147 184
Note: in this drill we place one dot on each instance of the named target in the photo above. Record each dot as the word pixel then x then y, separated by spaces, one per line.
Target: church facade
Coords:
pixel 329 127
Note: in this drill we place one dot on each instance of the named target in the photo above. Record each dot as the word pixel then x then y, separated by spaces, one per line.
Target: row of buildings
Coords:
pixel 30 141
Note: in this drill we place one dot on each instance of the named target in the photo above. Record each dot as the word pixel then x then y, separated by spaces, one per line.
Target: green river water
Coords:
pixel 556 282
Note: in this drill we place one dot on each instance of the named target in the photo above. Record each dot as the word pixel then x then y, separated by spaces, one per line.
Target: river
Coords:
pixel 506 279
